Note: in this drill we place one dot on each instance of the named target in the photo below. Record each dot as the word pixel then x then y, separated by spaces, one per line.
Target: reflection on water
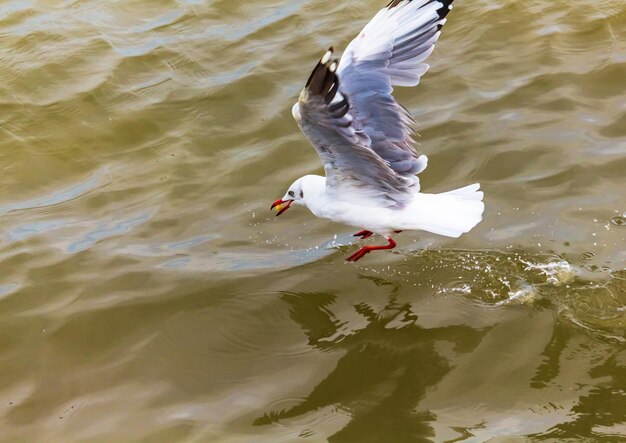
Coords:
pixel 386 367
pixel 596 412
pixel 147 292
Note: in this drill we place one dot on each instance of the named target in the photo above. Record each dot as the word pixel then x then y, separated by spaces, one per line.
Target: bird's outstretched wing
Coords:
pixel 391 50
pixel 353 170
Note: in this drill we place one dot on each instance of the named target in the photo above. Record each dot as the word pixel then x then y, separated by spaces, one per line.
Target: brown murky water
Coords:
pixel 148 294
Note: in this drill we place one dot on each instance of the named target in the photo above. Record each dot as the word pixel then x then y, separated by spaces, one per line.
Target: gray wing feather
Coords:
pixel 353 169
pixel 390 51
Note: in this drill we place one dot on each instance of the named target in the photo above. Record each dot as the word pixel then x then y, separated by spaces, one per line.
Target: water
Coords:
pixel 148 294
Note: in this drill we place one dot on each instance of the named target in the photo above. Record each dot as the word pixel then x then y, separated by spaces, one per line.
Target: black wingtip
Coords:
pixel 323 81
pixel 442 12
pixel 445 9
pixel 323 61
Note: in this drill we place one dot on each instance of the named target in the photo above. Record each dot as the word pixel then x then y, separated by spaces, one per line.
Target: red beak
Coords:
pixel 281 205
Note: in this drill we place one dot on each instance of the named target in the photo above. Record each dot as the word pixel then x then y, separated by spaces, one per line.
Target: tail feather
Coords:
pixel 450 213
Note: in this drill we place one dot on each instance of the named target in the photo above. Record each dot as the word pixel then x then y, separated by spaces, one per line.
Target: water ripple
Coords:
pixel 96 181
pixel 110 228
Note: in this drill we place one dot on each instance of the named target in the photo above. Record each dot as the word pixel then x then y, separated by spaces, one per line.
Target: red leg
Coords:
pixel 363 234
pixel 358 255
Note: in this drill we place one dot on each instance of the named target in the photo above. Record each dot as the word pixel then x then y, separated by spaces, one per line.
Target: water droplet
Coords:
pixel 618 220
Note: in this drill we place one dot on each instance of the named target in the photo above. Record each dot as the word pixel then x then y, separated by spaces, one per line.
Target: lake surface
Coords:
pixel 148 294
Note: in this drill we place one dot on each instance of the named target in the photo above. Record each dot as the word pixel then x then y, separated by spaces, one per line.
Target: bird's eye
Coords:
pixel 301 194
pixel 291 194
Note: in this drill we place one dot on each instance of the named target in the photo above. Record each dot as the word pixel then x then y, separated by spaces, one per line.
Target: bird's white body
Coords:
pixel 451 213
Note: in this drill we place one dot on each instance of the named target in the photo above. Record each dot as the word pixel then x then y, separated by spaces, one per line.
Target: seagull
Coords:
pixel 364 138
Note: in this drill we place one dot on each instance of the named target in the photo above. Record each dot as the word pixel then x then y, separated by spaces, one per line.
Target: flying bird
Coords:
pixel 364 137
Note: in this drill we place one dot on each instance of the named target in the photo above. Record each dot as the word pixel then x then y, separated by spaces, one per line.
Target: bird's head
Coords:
pixel 294 194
